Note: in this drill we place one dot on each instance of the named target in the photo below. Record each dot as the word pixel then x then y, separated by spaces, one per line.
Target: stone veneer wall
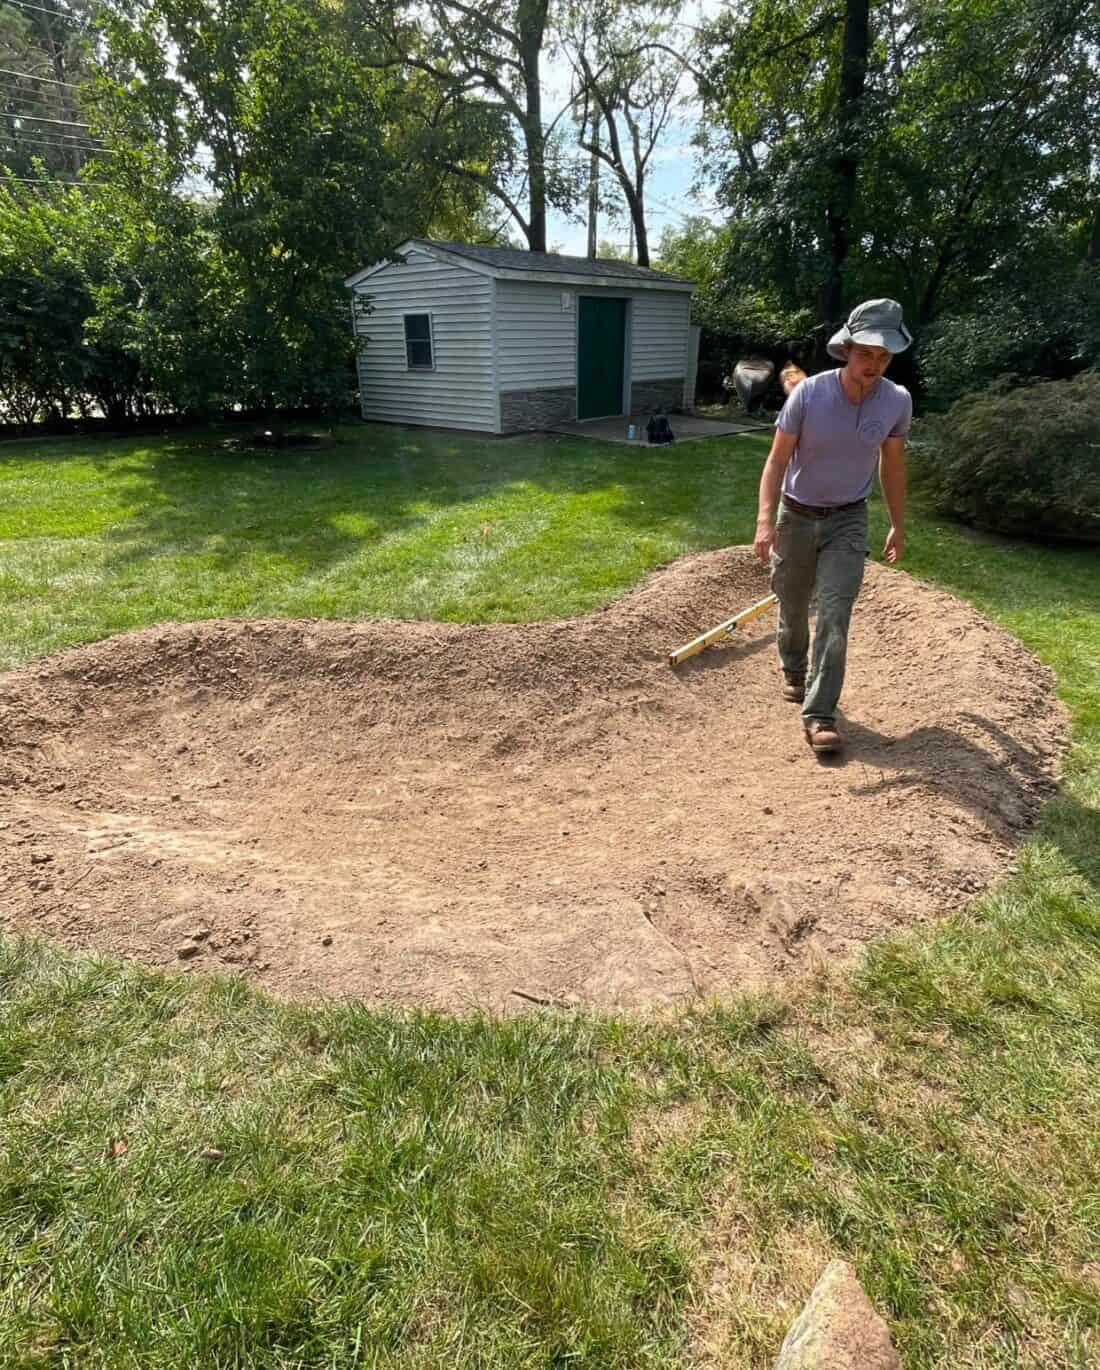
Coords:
pixel 522 410
pixel 647 396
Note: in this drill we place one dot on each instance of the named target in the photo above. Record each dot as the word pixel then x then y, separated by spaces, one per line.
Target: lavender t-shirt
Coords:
pixel 838 441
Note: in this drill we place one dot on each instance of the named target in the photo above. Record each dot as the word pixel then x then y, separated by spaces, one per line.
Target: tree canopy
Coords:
pixel 972 126
pixel 184 184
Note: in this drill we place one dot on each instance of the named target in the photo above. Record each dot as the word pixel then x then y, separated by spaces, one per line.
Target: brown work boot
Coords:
pixel 794 687
pixel 823 736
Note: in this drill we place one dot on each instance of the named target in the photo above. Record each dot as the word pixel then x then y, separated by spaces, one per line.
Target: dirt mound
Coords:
pixel 424 813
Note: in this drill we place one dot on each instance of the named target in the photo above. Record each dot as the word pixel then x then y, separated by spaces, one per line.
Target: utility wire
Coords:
pixel 11 92
pixel 30 76
pixel 19 139
pixel 47 135
pixel 16 145
pixel 64 185
pixel 17 97
pixel 38 119
pixel 55 14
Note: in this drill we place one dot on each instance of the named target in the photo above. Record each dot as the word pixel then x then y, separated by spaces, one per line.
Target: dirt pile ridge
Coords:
pixel 422 813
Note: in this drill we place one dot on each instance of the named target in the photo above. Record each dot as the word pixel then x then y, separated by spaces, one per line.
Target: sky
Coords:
pixel 669 199
pixel 674 169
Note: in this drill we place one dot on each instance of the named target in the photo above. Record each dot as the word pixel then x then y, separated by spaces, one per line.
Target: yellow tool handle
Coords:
pixel 713 634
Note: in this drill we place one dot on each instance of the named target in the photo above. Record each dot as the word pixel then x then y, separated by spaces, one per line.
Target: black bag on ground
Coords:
pixel 658 429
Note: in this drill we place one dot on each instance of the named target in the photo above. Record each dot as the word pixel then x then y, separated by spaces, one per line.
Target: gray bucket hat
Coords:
pixel 875 323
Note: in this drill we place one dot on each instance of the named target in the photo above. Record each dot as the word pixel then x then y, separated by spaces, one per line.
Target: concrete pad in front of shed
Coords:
pixel 687 428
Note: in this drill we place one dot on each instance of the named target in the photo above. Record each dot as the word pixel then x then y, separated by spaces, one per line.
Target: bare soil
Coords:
pixel 443 815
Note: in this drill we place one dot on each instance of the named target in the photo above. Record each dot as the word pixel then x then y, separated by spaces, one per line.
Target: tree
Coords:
pixel 845 158
pixel 628 79
pixel 288 131
pixel 44 62
pixel 486 65
pixel 734 299
pixel 908 164
pixel 992 130
pixel 64 280
pixel 608 251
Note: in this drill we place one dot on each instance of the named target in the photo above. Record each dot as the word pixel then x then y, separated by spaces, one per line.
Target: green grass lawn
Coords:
pixel 194 1175
pixel 103 536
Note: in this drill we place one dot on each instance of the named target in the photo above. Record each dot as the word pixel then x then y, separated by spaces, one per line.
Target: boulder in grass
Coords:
pixel 838 1329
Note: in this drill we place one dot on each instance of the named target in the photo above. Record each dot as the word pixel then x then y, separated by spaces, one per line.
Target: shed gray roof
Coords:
pixel 551 263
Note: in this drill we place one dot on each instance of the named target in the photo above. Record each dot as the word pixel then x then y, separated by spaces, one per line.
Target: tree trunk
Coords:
pixel 594 186
pixel 531 28
pixel 845 166
pixel 641 237
pixel 55 52
pixel 536 182
pixel 930 295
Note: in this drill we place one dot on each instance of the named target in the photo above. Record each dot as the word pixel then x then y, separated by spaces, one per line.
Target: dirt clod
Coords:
pixel 405 789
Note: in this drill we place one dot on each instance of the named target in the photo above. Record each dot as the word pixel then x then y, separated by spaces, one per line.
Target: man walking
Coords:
pixel 830 433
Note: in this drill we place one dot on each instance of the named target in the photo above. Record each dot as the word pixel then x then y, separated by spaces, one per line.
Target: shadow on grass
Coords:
pixel 314 509
pixel 187 488
pixel 1074 829
pixel 224 504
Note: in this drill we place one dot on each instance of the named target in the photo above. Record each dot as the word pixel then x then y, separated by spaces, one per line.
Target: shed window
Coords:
pixel 418 342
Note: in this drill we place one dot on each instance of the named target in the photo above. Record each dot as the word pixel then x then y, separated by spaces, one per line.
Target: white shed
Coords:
pixel 499 340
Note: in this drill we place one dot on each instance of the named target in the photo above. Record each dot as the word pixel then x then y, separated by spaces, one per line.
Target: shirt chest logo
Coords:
pixel 872 432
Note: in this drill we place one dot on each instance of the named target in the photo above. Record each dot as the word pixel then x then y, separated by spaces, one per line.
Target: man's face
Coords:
pixel 867 364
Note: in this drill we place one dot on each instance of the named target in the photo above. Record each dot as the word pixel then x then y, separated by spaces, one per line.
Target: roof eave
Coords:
pixel 514 274
pixel 612 282
pixel 391 260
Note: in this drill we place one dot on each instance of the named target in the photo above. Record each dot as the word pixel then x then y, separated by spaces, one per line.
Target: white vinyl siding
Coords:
pixel 659 335
pixel 536 338
pixel 457 392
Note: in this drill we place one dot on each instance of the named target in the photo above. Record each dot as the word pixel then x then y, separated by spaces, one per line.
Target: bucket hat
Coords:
pixel 874 323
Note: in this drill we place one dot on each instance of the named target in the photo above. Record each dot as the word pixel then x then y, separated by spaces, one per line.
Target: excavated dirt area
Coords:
pixel 416 813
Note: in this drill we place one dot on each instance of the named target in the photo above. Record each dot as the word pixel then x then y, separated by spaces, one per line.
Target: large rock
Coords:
pixel 838 1329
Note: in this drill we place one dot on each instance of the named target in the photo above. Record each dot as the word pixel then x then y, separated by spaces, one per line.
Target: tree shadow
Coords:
pixel 298 505
pixel 183 493
pixel 1075 831
pixel 313 509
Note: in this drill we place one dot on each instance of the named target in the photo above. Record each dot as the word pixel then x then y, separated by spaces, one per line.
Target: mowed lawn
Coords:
pixel 103 536
pixel 193 1175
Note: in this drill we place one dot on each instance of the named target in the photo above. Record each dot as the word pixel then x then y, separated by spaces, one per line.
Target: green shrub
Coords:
pixel 1023 461
pixel 1048 329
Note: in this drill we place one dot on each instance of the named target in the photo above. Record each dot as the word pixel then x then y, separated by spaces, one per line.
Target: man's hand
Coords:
pixel 771 482
pixel 895 545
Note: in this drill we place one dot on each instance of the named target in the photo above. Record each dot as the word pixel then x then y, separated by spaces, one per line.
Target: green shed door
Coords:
pixel 601 348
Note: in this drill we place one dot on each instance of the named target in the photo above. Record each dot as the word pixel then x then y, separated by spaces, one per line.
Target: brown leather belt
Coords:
pixel 819 511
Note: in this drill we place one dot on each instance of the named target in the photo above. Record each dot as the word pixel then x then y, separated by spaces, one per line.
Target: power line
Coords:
pixel 38 119
pixel 30 76
pixel 62 185
pixel 9 99
pixel 54 14
pixel 17 145
pixel 13 92
pixel 18 139
pixel 43 135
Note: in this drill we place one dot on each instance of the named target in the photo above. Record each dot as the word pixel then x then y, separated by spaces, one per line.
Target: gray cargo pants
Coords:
pixel 827 555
